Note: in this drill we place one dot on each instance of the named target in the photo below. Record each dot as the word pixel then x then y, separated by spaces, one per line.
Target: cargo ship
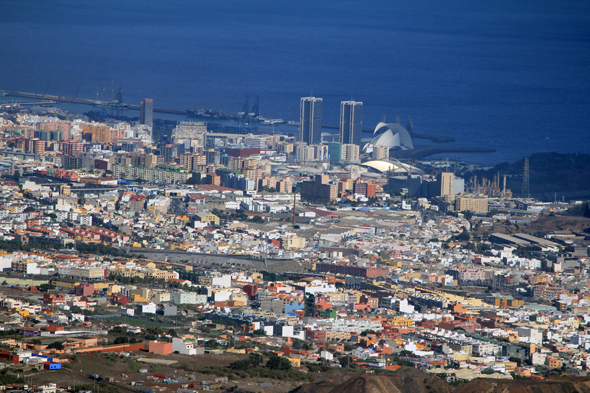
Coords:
pixel 209 114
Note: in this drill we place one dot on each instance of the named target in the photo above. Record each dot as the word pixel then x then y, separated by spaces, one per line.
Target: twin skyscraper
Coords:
pixel 351 125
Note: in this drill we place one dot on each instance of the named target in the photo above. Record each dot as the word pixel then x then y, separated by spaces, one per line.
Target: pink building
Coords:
pixel 160 348
pixel 85 290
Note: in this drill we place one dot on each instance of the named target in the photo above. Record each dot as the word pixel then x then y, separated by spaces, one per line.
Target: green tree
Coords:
pixel 346 361
pixel 278 363
pixel 463 236
pixel 194 180
pixel 46 287
pixel 255 359
pixel 9 379
pixel 257 220
pixel 59 345
pixel 211 344
pixel 240 365
pixel 122 340
pixel 300 344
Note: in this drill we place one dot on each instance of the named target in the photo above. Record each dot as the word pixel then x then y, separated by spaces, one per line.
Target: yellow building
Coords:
pixel 96 132
pixel 295 362
pixel 294 242
pixel 353 296
pixel 64 189
pixel 445 183
pixel 91 273
pixel 23 313
pixel 459 357
pixel 129 273
pixel 208 218
pixel 62 283
pixel 472 204
pixel 136 298
pixel 333 335
pixel 161 274
pixel 101 286
pixel 337 297
pixel 239 297
pixel 389 262
pixel 234 350
pixel 402 321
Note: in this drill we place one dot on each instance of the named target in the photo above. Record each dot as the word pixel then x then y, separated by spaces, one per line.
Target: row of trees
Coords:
pixel 18 245
pixel 255 361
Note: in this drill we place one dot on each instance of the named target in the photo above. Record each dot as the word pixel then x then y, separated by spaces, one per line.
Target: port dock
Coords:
pixel 44 99
pixel 415 135
pixel 425 151
pixel 85 101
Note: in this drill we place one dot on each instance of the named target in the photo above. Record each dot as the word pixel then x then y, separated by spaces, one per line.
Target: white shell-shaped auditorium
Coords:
pixel 391 135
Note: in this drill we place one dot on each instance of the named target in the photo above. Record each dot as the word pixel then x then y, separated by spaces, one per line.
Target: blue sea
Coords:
pixel 510 75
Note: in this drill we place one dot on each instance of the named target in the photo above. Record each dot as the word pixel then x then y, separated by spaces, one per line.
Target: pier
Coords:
pixel 415 135
pixel 86 101
pixel 5 104
pixel 425 151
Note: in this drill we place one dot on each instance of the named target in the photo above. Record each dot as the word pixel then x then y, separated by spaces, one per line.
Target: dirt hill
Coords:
pixel 543 224
pixel 566 385
pixel 405 380
pixel 558 223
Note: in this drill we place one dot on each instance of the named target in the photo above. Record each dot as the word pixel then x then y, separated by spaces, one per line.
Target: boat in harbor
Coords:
pixel 270 122
pixel 209 114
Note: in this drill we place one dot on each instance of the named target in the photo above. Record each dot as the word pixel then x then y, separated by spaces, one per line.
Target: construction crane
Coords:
pixel 246 106
pixel 117 103
pixel 248 121
pixel 255 108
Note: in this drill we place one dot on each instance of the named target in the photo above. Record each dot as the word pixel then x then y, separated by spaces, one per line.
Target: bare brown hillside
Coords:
pixel 405 380
pixel 408 380
pixel 558 223
pixel 543 224
pixel 569 385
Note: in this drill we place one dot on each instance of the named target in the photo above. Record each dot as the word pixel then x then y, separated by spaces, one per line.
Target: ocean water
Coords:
pixel 514 76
